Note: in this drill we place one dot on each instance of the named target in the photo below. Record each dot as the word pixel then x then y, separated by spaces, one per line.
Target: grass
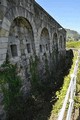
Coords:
pixel 61 94
pixel 73 44
pixel 77 97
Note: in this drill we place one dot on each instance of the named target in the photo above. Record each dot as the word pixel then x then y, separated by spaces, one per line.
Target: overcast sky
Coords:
pixel 66 12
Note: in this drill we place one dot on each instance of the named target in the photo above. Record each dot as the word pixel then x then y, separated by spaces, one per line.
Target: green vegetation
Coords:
pixel 77 98
pixel 34 73
pixel 73 44
pixel 61 94
pixel 37 103
pixel 43 89
pixel 10 87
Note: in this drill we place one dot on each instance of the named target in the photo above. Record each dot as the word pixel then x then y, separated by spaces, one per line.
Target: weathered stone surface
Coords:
pixel 37 18
pixel 26 30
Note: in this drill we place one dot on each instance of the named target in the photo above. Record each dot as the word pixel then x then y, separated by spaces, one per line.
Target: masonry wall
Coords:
pixel 27 30
pixel 40 22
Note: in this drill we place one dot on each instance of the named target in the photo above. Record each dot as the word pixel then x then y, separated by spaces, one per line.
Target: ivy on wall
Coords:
pixel 41 90
pixel 10 85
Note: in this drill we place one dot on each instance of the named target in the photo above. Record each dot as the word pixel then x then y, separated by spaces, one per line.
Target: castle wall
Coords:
pixel 38 19
pixel 26 30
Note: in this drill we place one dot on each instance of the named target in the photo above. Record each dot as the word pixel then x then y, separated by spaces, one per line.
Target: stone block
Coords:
pixel 3 39
pixel 3 32
pixel 3 51
pixel 3 56
pixel 0 57
pixel 1 62
pixel 6 24
pixel 3 45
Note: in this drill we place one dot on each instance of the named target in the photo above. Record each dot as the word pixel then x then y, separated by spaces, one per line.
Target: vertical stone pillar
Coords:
pixel 4 32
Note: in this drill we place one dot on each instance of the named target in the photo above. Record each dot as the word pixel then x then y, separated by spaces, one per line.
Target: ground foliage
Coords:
pixel 38 104
pixel 60 94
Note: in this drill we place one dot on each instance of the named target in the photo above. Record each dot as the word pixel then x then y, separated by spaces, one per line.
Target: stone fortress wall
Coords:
pixel 26 28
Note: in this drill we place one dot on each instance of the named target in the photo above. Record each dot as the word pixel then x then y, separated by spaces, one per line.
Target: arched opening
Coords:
pixel 55 41
pixel 64 42
pixel 44 41
pixel 61 42
pixel 14 50
pixel 21 39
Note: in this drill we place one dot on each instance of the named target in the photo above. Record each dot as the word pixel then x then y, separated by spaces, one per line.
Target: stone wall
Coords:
pixel 27 27
pixel 27 30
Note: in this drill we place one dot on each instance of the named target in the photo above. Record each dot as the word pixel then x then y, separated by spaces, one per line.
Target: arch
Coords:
pixel 16 12
pixel 64 42
pixel 44 40
pixel 9 16
pixel 21 38
pixel 61 41
pixel 55 41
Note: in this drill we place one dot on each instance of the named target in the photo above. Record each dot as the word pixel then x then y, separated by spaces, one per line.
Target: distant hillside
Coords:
pixel 72 35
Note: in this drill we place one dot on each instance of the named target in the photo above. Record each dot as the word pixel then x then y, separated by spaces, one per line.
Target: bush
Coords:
pixel 10 87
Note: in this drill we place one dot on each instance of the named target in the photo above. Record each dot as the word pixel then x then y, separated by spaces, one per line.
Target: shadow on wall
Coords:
pixel 37 105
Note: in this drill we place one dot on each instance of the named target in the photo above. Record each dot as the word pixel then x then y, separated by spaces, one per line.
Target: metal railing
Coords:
pixel 70 94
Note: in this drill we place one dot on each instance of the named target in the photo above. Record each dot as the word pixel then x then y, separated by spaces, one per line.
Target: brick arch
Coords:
pixel 45 33
pixel 9 17
pixel 42 28
pixel 64 39
pixel 44 40
pixel 21 39
pixel 55 36
pixel 55 40
pixel 61 41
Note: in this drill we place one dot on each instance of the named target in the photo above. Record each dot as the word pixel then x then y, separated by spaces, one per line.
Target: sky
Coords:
pixel 66 12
